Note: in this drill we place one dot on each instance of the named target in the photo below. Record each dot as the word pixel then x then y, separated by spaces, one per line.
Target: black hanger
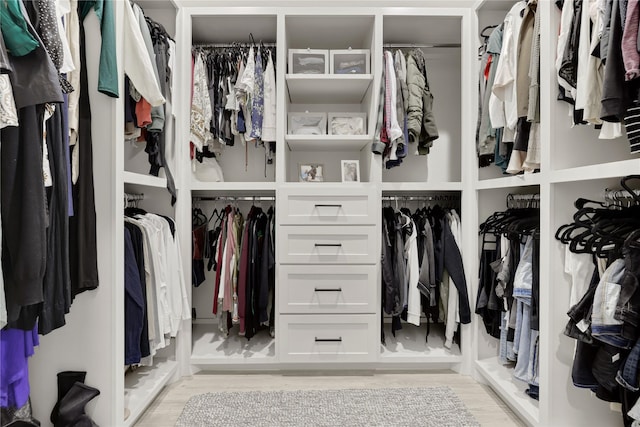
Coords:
pixel 488 27
pixel 632 193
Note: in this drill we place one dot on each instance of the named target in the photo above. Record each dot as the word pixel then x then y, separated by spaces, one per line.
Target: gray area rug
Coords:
pixel 427 406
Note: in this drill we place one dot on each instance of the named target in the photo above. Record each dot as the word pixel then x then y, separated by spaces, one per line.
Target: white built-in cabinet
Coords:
pixel 574 164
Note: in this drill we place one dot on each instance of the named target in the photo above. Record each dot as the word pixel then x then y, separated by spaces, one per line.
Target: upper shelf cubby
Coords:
pixel 439 38
pixel 329 31
pixel 233 28
pixel 430 30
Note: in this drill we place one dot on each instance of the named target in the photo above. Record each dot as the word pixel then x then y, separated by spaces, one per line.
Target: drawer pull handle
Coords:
pixel 329 206
pixel 339 339
pixel 328 290
pixel 329 245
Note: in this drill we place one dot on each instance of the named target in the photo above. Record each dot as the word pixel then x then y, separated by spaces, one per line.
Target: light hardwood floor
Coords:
pixel 483 403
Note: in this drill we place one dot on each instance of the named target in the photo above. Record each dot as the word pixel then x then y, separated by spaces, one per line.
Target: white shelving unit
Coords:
pixel 328 88
pixel 328 142
pixel 575 163
pixel 510 390
pixel 410 345
pixel 143 180
pixel 142 386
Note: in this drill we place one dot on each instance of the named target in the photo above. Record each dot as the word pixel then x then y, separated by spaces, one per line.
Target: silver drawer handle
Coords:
pixel 329 206
pixel 339 339
pixel 328 290
pixel 331 245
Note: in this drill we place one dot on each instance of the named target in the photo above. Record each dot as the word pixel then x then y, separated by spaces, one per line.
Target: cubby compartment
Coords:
pixel 488 363
pixel 211 346
pixel 330 159
pixel 573 406
pixel 580 145
pixel 491 14
pixel 137 166
pixel 240 161
pixel 439 38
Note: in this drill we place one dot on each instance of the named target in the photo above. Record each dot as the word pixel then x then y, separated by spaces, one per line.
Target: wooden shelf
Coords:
pixel 142 179
pixel 327 142
pixel 143 386
pixel 416 187
pixel 510 389
pixel 328 88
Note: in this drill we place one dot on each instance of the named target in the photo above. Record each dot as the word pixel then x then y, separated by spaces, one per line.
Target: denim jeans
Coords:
pixel 504 331
pixel 534 361
pixel 606 364
pixel 524 345
pixel 581 372
pixel 627 376
pixel 628 307
pixel 604 326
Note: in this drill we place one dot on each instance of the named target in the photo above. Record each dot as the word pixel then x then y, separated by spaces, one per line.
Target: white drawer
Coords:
pixel 328 244
pixel 327 338
pixel 341 289
pixel 328 206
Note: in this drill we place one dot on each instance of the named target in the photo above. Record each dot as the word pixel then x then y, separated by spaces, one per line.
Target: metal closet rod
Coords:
pixel 523 200
pixel 434 197
pixel 225 45
pixel 234 199
pixel 619 194
pixel 416 45
pixel 131 197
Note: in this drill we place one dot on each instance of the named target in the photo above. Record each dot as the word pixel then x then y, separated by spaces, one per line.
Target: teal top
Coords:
pixel 108 69
pixel 15 33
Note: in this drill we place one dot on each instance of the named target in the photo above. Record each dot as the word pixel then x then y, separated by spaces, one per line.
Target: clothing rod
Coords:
pixel 234 199
pixel 434 197
pixel 226 45
pixel 619 194
pixel 412 45
pixel 524 196
pixel 133 197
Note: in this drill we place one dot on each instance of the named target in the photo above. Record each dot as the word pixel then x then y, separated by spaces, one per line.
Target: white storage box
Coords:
pixel 350 61
pixel 347 123
pixel 308 61
pixel 307 123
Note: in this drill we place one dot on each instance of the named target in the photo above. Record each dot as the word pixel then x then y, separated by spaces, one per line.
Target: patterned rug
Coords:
pixel 427 406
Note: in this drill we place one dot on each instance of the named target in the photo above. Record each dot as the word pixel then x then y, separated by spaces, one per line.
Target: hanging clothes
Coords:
pixel 420 258
pixel 156 300
pixel 405 113
pixel 241 251
pixel 508 292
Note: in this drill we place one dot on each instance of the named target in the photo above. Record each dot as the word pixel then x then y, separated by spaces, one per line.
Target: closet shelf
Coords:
pixel 600 171
pixel 142 179
pixel 235 187
pixel 210 347
pixel 409 346
pixel 493 5
pixel 142 386
pixel 509 181
pixel 416 187
pixel 328 88
pixel 327 142
pixel 509 389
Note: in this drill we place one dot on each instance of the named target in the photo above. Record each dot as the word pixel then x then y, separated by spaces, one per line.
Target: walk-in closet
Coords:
pixel 333 188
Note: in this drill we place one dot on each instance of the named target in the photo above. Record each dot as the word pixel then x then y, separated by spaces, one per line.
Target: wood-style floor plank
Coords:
pixel 482 402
